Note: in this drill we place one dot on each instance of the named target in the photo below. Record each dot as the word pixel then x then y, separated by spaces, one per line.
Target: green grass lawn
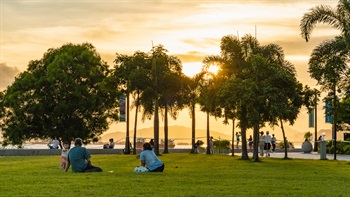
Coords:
pixel 184 175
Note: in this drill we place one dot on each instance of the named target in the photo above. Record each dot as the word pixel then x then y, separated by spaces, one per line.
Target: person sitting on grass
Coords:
pixel 79 158
pixel 55 144
pixel 150 160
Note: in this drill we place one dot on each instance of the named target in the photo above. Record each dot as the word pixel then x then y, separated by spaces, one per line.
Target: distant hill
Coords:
pixel 177 133
pixel 183 134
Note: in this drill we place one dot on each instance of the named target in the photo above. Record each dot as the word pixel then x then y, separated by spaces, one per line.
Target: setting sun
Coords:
pixel 192 68
pixel 214 69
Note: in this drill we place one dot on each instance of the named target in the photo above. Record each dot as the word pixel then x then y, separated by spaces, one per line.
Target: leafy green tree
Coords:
pixel 252 91
pixel 68 93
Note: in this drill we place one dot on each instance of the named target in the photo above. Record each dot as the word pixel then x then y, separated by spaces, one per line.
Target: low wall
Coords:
pixel 40 152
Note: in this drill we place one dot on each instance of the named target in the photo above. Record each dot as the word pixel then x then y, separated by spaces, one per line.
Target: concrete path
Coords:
pixel 301 155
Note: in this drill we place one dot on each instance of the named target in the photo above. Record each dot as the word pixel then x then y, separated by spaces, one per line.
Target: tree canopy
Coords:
pixel 67 94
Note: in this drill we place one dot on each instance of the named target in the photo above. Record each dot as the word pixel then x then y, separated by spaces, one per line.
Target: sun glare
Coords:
pixel 192 68
pixel 213 69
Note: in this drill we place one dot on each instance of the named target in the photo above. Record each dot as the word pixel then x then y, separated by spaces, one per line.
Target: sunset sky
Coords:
pixel 189 30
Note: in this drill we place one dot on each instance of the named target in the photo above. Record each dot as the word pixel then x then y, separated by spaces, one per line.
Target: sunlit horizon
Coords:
pixel 188 30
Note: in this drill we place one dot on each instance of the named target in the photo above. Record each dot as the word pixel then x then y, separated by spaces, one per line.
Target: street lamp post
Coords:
pixel 334 124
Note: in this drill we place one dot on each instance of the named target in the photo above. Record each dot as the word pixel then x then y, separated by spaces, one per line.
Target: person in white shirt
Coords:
pixel 267 144
pixel 64 155
pixel 55 144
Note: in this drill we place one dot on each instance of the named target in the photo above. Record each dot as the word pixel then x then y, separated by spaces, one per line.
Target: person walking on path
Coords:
pixel 273 142
pixel 80 159
pixel 261 143
pixel 267 144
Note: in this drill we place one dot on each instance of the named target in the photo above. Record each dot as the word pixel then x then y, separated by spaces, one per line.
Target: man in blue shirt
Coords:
pixel 150 160
pixel 79 158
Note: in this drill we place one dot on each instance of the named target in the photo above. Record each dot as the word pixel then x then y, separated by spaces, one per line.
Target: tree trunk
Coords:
pixel 256 141
pixel 166 131
pixel 156 129
pixel 233 137
pixel 284 141
pixel 193 109
pixel 315 138
pixel 127 140
pixel 244 144
pixel 208 134
pixel 135 125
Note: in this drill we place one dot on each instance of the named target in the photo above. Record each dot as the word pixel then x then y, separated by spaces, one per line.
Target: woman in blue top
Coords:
pixel 150 160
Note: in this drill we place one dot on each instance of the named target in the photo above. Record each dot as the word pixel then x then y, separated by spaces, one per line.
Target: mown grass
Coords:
pixel 184 175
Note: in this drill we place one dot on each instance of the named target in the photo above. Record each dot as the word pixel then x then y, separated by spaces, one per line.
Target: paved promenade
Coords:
pixel 301 155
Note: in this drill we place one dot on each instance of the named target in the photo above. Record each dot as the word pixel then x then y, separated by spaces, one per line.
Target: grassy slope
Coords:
pixel 184 175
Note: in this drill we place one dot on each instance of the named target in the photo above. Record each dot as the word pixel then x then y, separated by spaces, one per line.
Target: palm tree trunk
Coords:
pixel 334 124
pixel 156 129
pixel 315 138
pixel 208 134
pixel 135 124
pixel 233 137
pixel 166 131
pixel 127 140
pixel 193 109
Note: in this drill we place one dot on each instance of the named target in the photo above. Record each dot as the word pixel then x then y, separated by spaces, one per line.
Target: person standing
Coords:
pixel 211 145
pixel 273 142
pixel 238 138
pixel 80 159
pixel 261 143
pixel 64 155
pixel 267 144
pixel 250 143
pixel 150 160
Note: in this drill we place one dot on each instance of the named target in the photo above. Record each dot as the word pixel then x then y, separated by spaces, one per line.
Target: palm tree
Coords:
pixel 247 92
pixel 132 73
pixel 328 65
pixel 171 100
pixel 336 17
pixel 191 93
pixel 163 66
